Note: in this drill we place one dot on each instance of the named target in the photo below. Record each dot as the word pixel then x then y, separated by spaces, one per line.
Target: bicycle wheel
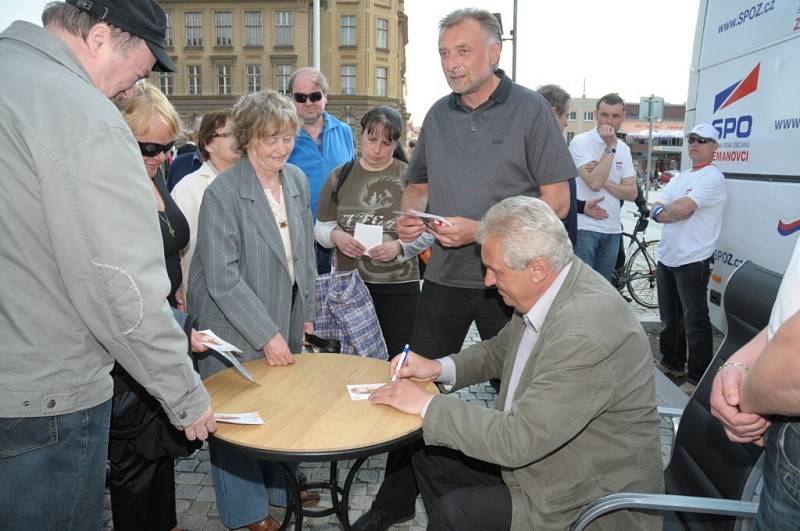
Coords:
pixel 640 273
pixel 627 245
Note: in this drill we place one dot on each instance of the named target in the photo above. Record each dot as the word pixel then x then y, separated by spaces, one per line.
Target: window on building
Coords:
pixel 570 136
pixel 573 115
pixel 284 28
pixel 224 77
pixel 588 116
pixel 168 32
pixel 193 80
pixel 382 34
pixel 223 25
pixel 194 29
pixel 348 80
pixel 347 25
pixel 166 82
pixel 252 28
pixel 253 75
pixel 381 73
pixel 282 74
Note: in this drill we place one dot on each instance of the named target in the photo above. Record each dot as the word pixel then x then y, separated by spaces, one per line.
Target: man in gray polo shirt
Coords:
pixel 488 140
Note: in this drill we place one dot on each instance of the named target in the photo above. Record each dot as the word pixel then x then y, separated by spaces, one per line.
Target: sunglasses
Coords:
pixel 299 97
pixel 151 149
pixel 696 140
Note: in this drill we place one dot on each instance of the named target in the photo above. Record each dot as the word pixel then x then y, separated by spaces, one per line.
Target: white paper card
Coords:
pixel 368 235
pixel 251 417
pixel 424 216
pixel 226 350
pixel 362 391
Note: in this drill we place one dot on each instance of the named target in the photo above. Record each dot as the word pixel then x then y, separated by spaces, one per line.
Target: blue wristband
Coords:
pixel 656 211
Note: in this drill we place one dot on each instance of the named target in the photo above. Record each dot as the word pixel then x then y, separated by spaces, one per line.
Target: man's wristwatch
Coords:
pixel 610 150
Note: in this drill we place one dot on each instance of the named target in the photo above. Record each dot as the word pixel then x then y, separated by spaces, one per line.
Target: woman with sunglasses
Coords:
pixel 218 149
pixel 252 281
pixel 143 443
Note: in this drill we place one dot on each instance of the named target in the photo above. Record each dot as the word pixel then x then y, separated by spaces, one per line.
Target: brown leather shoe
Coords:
pixel 267 524
pixel 309 498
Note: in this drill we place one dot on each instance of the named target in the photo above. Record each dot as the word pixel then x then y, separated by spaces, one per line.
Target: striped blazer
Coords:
pixel 239 279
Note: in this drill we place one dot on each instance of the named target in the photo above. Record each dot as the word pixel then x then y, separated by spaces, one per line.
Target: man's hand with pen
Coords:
pixel 453 232
pixel 402 393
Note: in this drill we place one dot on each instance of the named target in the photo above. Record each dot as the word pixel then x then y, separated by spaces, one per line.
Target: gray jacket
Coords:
pixel 239 283
pixel 82 275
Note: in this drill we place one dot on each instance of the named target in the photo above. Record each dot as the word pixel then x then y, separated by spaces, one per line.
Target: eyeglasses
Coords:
pixel 151 149
pixel 694 139
pixel 226 134
pixel 315 96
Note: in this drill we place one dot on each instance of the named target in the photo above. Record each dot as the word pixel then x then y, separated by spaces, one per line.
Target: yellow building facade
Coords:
pixel 226 48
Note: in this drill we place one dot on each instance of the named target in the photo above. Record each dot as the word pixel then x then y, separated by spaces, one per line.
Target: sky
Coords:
pixel 633 47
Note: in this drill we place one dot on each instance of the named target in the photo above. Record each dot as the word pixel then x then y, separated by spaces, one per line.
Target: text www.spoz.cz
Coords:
pixel 751 13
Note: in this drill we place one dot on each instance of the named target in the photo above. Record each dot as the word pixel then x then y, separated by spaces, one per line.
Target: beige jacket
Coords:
pixel 583 422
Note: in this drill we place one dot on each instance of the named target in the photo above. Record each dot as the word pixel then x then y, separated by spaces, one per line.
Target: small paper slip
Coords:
pixel 424 216
pixel 225 349
pixel 368 235
pixel 251 417
pixel 362 391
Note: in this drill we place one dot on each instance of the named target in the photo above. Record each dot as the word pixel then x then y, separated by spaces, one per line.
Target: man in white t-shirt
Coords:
pixel 691 208
pixel 606 171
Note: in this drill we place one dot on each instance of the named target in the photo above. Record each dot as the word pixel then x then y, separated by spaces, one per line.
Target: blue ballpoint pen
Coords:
pixel 403 358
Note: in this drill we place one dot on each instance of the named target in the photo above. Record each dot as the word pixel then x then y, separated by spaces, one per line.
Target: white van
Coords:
pixel 745 81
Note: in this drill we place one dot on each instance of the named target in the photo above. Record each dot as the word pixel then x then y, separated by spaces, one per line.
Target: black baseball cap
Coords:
pixel 142 18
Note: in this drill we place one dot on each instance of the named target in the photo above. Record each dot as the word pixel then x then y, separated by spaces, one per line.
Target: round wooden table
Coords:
pixel 309 416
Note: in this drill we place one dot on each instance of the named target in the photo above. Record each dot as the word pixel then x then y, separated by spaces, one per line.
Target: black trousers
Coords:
pixel 460 492
pixel 142 493
pixel 395 306
pixel 443 318
pixel 683 308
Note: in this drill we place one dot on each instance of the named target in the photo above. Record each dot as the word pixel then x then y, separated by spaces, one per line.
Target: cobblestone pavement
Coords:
pixel 195 493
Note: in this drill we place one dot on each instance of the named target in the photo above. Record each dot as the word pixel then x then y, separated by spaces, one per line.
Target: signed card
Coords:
pixel 362 391
pixel 425 217
pixel 251 417
pixel 368 235
pixel 212 340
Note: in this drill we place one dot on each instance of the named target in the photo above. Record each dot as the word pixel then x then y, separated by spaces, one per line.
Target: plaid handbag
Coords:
pixel 345 313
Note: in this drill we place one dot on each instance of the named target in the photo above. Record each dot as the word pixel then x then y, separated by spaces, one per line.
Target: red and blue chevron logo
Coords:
pixel 786 229
pixel 738 90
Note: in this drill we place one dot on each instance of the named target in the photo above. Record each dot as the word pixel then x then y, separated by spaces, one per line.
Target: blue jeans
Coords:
pixel 53 470
pixel 779 508
pixel 244 486
pixel 598 250
pixel 683 308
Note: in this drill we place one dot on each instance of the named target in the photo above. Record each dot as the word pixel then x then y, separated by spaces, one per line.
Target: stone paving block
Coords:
pixel 201 507
pixel 188 478
pixel 186 465
pixel 214 524
pixel 192 521
pixel 182 505
pixel 187 492
pixel 206 494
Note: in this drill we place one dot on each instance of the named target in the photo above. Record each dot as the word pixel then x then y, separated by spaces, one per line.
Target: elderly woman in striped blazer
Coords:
pixel 252 279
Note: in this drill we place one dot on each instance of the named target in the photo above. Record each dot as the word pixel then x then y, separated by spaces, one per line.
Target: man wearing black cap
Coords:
pixel 82 277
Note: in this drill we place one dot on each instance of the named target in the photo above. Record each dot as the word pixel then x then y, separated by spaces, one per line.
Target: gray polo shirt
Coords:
pixel 472 159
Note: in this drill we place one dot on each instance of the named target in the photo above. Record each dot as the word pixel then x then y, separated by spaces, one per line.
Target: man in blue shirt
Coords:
pixel 322 143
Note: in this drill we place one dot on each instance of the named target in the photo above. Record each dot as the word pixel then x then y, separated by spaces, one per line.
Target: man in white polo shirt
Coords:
pixel 606 171
pixel 691 208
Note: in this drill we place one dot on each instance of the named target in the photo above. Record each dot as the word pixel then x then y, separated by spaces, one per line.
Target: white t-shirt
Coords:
pixel 585 148
pixel 787 303
pixel 693 239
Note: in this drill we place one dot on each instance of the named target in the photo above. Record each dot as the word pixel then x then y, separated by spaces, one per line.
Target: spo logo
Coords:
pixel 741 126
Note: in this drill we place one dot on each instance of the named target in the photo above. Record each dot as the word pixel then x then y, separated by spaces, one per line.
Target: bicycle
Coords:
pixel 638 274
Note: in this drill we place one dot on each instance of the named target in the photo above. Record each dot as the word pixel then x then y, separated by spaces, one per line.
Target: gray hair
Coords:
pixel 488 22
pixel 79 23
pixel 260 115
pixel 317 77
pixel 557 97
pixel 527 229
